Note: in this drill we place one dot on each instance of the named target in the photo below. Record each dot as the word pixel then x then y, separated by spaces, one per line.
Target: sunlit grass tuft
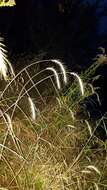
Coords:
pixel 5 65
pixel 42 145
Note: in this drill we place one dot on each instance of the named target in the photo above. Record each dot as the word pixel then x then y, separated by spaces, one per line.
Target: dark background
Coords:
pixel 71 30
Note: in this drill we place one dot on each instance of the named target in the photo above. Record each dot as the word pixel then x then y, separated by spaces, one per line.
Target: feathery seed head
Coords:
pixel 5 65
pixel 80 82
pixel 32 107
pixel 56 76
pixel 62 69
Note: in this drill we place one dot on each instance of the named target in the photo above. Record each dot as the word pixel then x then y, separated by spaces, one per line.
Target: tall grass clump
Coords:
pixel 42 145
pixel 5 65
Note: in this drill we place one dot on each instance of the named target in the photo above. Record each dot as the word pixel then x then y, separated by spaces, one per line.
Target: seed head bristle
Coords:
pixel 56 76
pixel 62 69
pixel 80 82
pixel 5 65
pixel 32 107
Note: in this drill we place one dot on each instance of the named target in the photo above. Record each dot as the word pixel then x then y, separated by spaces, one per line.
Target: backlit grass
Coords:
pixel 42 145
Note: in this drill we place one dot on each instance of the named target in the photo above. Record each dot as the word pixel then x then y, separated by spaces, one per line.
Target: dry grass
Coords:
pixel 42 145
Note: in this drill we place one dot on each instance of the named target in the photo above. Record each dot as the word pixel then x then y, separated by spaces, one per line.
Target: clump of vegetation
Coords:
pixel 4 3
pixel 42 144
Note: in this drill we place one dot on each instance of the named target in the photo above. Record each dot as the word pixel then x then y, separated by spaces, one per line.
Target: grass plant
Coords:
pixel 42 145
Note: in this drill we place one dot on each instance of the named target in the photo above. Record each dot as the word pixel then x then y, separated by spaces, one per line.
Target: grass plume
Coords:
pixel 63 70
pixel 5 65
pixel 32 107
pixel 56 76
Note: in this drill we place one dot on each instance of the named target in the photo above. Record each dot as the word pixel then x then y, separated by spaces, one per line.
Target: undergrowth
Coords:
pixel 42 145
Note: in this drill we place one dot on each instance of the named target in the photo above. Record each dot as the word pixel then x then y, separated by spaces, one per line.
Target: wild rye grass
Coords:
pixel 42 145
